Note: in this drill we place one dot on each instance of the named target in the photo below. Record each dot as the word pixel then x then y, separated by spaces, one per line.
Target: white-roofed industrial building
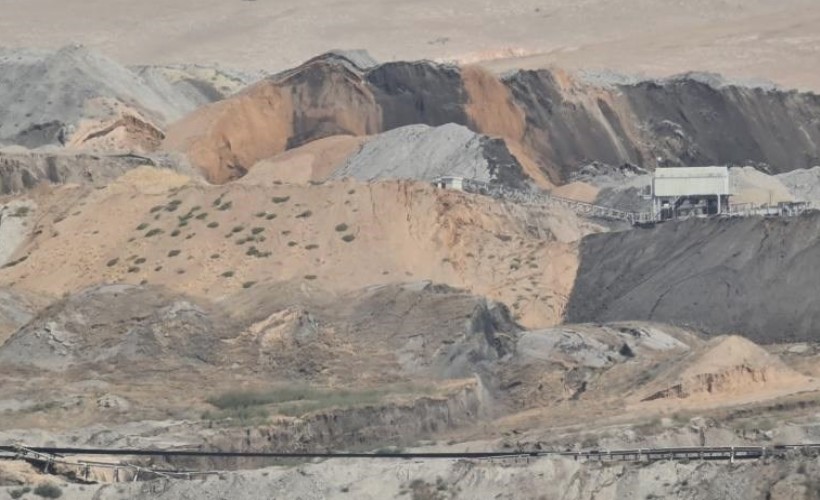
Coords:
pixel 690 191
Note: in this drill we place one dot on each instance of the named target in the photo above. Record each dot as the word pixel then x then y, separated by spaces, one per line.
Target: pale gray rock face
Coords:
pixel 422 152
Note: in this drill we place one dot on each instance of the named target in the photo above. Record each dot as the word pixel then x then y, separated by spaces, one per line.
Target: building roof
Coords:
pixel 691 181
pixel 691 172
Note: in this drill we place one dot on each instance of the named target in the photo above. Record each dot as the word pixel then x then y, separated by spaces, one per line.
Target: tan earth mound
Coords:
pixel 580 191
pixel 730 369
pixel 151 226
pixel 314 161
pixel 228 137
pixel 749 185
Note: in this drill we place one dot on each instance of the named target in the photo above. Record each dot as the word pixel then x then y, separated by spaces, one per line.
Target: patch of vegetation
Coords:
pixel 48 490
pixel 158 269
pixel 18 492
pixel 341 228
pixel 280 199
pixel 348 238
pixel 153 232
pixel 257 230
pixel 260 214
pixel 352 191
pixel 142 226
pixel 237 229
pixel 156 209
pixel 133 269
pixel 270 216
pixel 202 216
pixel 285 232
pixel 217 201
pixel 175 233
pixel 292 243
pixel 310 277
pixel 304 215
pixel 227 274
pixel 312 246
pixel 298 399
pixel 248 284
pixel 245 416
pixel 173 253
pixel 141 260
pixel 225 206
pixel 213 224
pixel 112 262
pixel 21 211
pixel 188 237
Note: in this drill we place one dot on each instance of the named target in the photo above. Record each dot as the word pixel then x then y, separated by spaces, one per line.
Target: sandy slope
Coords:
pixel 746 38
pixel 158 227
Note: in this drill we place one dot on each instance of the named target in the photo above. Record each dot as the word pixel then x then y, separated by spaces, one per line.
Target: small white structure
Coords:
pixel 687 191
pixel 450 182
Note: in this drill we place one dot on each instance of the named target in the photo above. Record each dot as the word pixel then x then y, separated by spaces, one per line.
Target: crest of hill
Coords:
pixel 75 96
pixel 211 241
pixel 551 121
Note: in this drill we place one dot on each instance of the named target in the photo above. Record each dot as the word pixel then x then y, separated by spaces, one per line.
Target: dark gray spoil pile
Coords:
pixel 424 153
pixel 752 276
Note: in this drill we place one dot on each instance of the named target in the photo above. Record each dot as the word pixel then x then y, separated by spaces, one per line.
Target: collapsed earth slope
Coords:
pixel 546 117
pixel 751 276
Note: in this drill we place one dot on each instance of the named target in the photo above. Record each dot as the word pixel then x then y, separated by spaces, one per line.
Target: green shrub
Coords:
pixel 248 284
pixel 225 206
pixel 175 202
pixel 215 256
pixel 341 228
pixel 153 232
pixel 202 216
pixel 17 493
pixel 292 243
pixel 312 246
pixel 304 215
pixel 158 269
pixel 142 226
pixel 112 262
pixel 175 233
pixel 237 229
pixel 141 260
pixel 260 214
pixel 351 191
pixel 348 238
pixel 270 216
pixel 227 274
pixel 188 237
pixel 252 251
pixel 257 230
pixel 280 199
pixel 173 253
pixel 217 202
pixel 133 269
pixel 213 224
pixel 310 277
pixel 156 208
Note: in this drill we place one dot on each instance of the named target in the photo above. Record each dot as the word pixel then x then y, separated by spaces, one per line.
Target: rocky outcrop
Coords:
pixel 750 276
pixel 21 170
